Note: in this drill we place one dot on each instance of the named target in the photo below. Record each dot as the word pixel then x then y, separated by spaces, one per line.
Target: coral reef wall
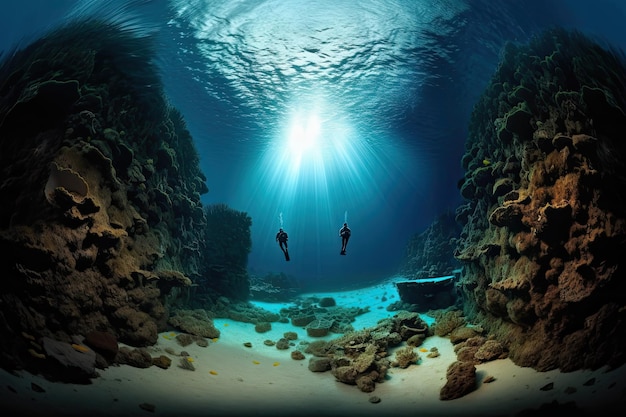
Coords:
pixel 431 253
pixel 544 232
pixel 227 246
pixel 101 217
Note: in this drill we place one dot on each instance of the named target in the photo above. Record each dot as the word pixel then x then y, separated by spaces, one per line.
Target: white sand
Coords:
pixel 265 381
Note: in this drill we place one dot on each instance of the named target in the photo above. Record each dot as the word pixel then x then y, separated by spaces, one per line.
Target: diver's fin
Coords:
pixel 286 255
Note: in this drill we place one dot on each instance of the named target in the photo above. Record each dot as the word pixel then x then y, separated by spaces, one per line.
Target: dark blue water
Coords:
pixel 308 114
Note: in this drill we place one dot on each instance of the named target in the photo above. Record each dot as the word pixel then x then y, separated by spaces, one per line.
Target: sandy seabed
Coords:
pixel 233 380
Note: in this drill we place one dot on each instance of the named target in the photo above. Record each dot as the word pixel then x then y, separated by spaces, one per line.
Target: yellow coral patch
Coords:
pixel 36 354
pixel 213 372
pixel 169 336
pixel 80 348
pixel 256 362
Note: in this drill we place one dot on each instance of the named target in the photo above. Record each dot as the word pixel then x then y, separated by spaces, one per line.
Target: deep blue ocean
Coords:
pixel 308 114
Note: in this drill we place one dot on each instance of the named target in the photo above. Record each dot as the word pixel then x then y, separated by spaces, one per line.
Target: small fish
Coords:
pixel 213 372
pixel 189 359
pixel 276 364
pixel 215 339
pixel 225 324
pixel 256 362
pixel 423 350
pixel 486 162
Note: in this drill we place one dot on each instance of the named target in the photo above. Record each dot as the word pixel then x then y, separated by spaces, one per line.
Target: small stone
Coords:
pixel 547 387
pixel 374 399
pixel 36 388
pixel 590 382
pixel 148 407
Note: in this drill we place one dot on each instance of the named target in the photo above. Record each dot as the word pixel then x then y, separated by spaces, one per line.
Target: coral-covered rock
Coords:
pixel 319 327
pixel 91 228
pixel 431 253
pixel 405 357
pixel 296 355
pixel 546 263
pixel 195 322
pixel 317 364
pixel 162 362
pixel 263 327
pixel 460 381
pixel 139 358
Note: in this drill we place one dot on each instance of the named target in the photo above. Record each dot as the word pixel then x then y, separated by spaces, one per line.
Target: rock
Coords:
pixel 103 343
pixel 162 362
pixel 283 344
pixel 301 320
pixel 297 355
pixel 77 365
pixel 319 327
pixel 461 380
pixel 319 364
pixel 327 302
pixel 428 293
pixel 139 358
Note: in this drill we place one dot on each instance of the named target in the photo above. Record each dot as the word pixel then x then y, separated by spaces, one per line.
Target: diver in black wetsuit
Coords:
pixel 345 234
pixel 281 238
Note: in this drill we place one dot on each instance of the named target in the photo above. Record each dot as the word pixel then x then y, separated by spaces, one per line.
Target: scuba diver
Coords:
pixel 345 233
pixel 281 238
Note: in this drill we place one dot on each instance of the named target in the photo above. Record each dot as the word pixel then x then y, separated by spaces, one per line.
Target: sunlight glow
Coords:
pixel 303 136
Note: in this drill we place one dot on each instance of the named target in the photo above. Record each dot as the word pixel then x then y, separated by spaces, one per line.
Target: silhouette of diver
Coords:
pixel 345 233
pixel 281 238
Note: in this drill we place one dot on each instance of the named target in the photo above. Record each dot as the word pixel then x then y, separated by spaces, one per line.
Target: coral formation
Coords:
pixel 460 381
pixel 545 221
pixel 360 358
pixel 405 357
pixel 195 322
pixel 430 253
pixel 102 225
pixel 227 243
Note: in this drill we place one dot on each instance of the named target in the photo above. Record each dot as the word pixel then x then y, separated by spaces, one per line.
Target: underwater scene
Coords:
pixel 181 180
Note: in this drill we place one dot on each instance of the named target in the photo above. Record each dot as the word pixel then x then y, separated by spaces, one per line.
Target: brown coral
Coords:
pixel 460 381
